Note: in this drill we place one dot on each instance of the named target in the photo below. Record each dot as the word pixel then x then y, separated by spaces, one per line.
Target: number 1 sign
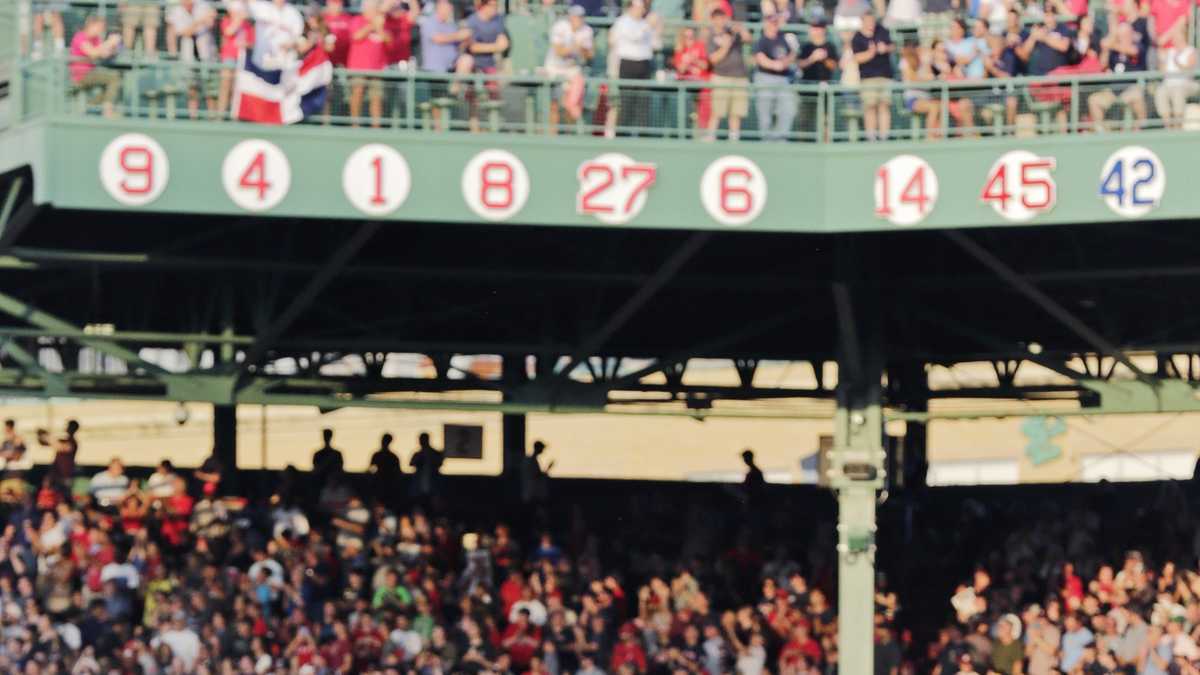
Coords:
pixel 376 179
pixel 906 190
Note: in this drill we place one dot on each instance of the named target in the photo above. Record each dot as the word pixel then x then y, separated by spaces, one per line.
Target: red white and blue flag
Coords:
pixel 285 95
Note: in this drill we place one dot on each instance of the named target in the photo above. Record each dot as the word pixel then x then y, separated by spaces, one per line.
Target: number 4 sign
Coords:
pixel 906 190
pixel 256 175
pixel 1021 185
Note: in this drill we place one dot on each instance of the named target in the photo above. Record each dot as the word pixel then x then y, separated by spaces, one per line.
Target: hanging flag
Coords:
pixel 282 96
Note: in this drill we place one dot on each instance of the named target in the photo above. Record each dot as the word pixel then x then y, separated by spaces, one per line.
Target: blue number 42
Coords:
pixel 1113 184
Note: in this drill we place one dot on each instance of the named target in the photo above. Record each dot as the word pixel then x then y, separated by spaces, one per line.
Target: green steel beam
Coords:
pixel 149 337
pixel 23 310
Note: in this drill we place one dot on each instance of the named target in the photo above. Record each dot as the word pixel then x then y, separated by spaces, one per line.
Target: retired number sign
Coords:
pixel 906 190
pixel 733 190
pixel 1133 181
pixel 1021 185
pixel 612 187
pixel 134 169
pixel 495 185
pixel 376 179
pixel 256 175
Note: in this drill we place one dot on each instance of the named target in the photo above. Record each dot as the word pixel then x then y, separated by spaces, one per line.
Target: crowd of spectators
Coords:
pixel 312 573
pixel 880 48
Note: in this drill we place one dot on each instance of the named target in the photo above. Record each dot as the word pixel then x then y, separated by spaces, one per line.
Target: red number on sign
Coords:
pixel 745 200
pixel 1042 184
pixel 489 184
pixel 255 176
pixel 884 209
pixel 585 202
pixel 143 167
pixel 996 189
pixel 914 192
pixel 648 174
pixel 377 198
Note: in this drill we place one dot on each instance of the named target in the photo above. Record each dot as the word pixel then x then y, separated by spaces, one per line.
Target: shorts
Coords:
pixel 561 76
pixel 730 101
pixel 1105 98
pixel 145 15
pixel 910 102
pixel 373 85
pixel 847 23
pixel 875 91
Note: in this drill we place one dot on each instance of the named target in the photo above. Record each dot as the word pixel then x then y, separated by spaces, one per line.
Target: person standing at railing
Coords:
pixel 1002 64
pixel 732 100
pixel 818 63
pixel 968 51
pixel 1043 48
pixel 192 23
pixel 237 36
pixel 691 65
pixel 1123 50
pixel 441 41
pixel 571 48
pixel 961 108
pixel 916 67
pixel 872 47
pixel 278 27
pixel 48 12
pixel 486 45
pixel 774 58
pixel 401 19
pixel 369 39
pixel 146 14
pixel 88 49
pixel 631 39
pixel 1178 63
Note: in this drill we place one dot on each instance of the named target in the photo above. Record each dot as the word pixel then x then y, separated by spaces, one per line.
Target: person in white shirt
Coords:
pixel 110 485
pixel 571 48
pixel 631 41
pixel 1177 60
pixel 183 642
pixel 278 27
pixel 161 484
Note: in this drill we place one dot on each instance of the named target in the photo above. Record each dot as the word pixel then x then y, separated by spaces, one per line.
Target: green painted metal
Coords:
pixel 811 188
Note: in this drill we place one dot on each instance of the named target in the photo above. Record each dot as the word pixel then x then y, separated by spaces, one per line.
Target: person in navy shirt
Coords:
pixel 1123 50
pixel 1045 46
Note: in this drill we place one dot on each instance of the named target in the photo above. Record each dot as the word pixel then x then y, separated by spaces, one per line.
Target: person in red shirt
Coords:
pixel 338 22
pixel 521 640
pixel 177 510
pixel 369 639
pixel 369 39
pixel 237 35
pixel 800 646
pixel 691 64
pixel 628 651
pixel 399 23
pixel 339 653
pixel 88 47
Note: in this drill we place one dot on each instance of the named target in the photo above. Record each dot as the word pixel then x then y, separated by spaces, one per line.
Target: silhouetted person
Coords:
pixel 327 460
pixel 755 482
pixel 65 449
pixel 385 466
pixel 427 467
pixel 535 481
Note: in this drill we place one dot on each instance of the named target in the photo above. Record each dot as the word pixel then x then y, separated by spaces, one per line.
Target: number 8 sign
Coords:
pixel 906 190
pixel 134 169
pixel 495 184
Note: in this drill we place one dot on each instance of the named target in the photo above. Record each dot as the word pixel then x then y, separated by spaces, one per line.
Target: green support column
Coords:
pixel 856 469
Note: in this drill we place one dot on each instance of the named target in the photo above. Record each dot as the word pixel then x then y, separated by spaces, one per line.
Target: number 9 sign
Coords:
pixel 134 169
pixel 1133 181
pixel 733 190
pixel 495 184
pixel 906 190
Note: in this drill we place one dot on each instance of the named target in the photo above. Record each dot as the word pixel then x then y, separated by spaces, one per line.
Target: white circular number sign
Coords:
pixel 134 169
pixel 906 190
pixel 733 190
pixel 613 187
pixel 495 184
pixel 376 179
pixel 1133 181
pixel 1021 185
pixel 256 175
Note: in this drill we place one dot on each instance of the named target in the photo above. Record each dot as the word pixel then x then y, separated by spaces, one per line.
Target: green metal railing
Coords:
pixel 163 89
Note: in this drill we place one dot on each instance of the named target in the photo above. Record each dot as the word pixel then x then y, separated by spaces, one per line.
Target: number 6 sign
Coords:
pixel 495 184
pixel 134 169
pixel 256 175
pixel 612 187
pixel 906 190
pixel 733 190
